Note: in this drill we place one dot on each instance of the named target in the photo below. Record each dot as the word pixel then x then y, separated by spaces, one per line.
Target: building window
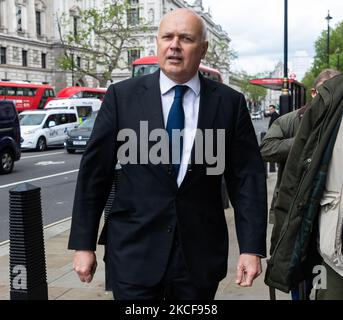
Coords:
pixel 19 18
pixel 24 58
pixel 132 2
pixel 44 60
pixel 2 55
pixel 132 55
pixel 133 16
pixel 76 26
pixel 38 23
pixel 78 62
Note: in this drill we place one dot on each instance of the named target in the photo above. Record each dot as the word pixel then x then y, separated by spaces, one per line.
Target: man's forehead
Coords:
pixel 186 23
pixel 177 31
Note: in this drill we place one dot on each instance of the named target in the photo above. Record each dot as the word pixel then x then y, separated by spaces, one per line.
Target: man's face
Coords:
pixel 180 45
pixel 271 110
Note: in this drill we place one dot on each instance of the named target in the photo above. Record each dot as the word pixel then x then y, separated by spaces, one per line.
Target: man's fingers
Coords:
pixel 85 275
pixel 249 278
pixel 239 274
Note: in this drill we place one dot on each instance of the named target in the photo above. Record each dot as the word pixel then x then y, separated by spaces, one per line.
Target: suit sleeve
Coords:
pixel 245 177
pixel 95 177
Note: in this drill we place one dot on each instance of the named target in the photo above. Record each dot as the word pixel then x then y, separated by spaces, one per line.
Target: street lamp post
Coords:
pixel 285 51
pixel 328 18
pixel 285 99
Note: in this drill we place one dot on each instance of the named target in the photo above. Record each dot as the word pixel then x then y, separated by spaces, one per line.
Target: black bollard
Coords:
pixel 27 252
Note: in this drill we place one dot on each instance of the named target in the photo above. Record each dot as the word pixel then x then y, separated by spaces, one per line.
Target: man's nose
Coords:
pixel 175 44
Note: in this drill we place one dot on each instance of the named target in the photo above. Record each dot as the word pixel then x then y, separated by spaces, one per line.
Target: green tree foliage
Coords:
pixel 102 39
pixel 254 93
pixel 219 55
pixel 320 59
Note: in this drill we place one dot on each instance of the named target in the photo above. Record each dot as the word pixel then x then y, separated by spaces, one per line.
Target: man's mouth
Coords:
pixel 174 58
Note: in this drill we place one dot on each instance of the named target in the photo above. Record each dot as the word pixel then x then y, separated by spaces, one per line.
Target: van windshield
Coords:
pixel 89 122
pixel 31 119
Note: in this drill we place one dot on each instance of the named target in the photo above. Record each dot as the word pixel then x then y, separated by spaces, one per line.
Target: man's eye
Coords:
pixel 188 39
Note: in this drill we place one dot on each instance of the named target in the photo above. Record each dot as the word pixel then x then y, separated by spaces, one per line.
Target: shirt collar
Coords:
pixel 166 84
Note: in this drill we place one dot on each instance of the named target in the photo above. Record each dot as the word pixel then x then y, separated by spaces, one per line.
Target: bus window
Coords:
pixel 141 70
pixel 11 91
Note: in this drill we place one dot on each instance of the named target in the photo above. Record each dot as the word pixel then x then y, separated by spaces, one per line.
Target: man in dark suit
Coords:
pixel 166 235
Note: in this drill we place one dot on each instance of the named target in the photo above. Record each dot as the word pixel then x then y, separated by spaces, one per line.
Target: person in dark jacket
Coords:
pixel 308 214
pixel 273 115
pixel 277 144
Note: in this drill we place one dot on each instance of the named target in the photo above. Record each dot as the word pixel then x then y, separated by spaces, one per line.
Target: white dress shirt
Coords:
pixel 191 102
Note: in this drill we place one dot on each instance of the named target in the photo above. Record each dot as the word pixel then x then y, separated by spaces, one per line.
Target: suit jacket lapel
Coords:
pixel 149 96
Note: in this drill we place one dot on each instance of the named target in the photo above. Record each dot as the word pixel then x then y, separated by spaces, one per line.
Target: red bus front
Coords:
pixel 27 96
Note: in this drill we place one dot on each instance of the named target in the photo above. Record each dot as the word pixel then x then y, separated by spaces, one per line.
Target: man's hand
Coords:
pixel 248 268
pixel 85 265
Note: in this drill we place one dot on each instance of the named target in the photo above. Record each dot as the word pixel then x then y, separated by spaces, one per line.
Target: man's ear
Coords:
pixel 205 47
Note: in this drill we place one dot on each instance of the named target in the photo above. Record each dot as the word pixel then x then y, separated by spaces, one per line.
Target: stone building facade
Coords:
pixel 30 46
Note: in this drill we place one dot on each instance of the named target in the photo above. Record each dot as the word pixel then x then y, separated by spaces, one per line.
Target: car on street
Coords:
pixel 256 115
pixel 9 136
pixel 78 138
pixel 44 128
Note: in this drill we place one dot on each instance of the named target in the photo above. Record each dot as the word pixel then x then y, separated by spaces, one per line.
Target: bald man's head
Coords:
pixel 187 11
pixel 181 44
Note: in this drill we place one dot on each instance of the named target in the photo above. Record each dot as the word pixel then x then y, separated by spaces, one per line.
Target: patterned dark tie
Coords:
pixel 176 121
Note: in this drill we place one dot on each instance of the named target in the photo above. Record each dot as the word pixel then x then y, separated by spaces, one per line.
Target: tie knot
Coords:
pixel 180 91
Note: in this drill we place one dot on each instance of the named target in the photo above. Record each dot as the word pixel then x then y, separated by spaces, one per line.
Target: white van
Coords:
pixel 83 106
pixel 43 128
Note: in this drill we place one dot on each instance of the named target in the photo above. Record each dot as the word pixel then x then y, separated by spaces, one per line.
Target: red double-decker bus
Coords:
pixel 81 92
pixel 27 96
pixel 149 64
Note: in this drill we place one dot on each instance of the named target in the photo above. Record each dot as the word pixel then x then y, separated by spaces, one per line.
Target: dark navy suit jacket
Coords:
pixel 149 204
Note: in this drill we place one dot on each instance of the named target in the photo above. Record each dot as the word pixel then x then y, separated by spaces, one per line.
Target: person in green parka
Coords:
pixel 297 244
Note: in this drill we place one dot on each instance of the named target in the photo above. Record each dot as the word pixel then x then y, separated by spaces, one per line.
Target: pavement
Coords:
pixel 63 284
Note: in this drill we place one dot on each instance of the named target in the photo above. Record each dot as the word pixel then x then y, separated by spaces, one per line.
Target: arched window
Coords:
pixel 20 14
